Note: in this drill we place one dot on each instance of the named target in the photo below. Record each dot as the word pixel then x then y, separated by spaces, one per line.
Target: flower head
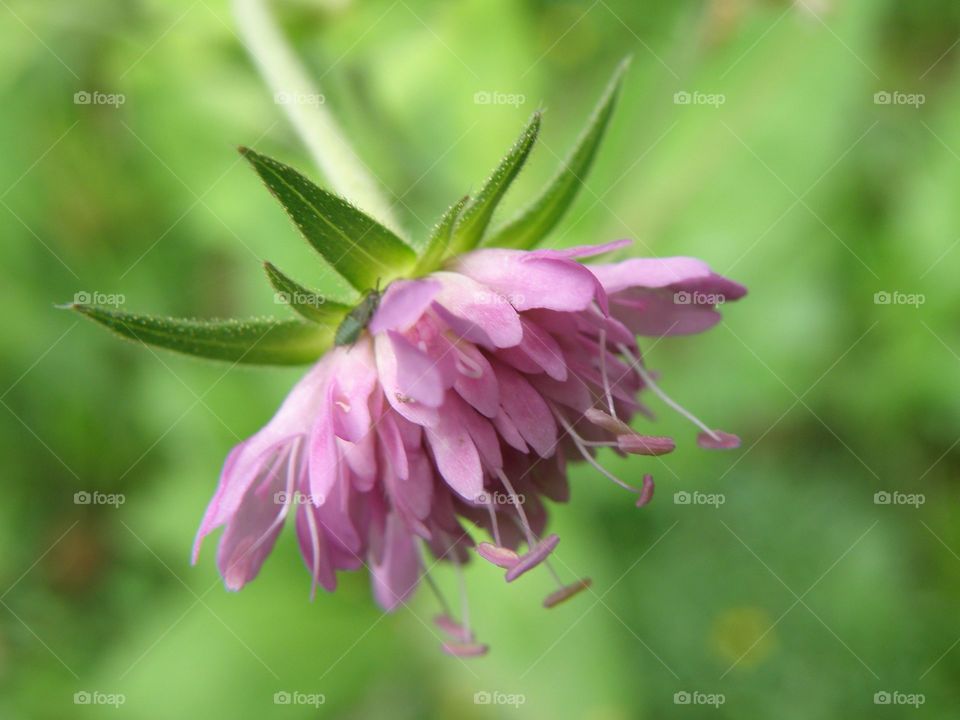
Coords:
pixel 457 410
pixel 438 415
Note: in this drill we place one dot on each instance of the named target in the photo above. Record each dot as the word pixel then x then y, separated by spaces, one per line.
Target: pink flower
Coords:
pixel 459 406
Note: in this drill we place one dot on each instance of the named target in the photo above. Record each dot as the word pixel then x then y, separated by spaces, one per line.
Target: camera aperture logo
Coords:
pixel 896 297
pixel 500 498
pixel 684 497
pixel 484 697
pixel 696 697
pixel 98 498
pixel 685 97
pixel 95 697
pixel 895 697
pixel 897 97
pixel 295 98
pixel 282 497
pixel 299 298
pixel 883 497
pixel 496 97
pixel 99 298
pixel 683 297
pixel 295 697
pixel 484 297
pixel 95 97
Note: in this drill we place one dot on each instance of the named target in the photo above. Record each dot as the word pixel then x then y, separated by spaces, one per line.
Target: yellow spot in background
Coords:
pixel 742 635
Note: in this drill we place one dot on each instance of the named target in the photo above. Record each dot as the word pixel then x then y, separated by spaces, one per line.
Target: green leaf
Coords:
pixel 439 239
pixel 472 224
pixel 255 342
pixel 533 223
pixel 358 247
pixel 310 304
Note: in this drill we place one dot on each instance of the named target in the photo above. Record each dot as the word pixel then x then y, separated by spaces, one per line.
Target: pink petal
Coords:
pixel 253 530
pixel 475 380
pixel 455 454
pixel 388 368
pixel 355 380
pixel 396 573
pixel 402 304
pixel 528 410
pixel 531 281
pixel 475 312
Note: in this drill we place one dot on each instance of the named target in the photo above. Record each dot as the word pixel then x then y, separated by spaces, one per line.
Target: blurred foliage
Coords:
pixel 799 597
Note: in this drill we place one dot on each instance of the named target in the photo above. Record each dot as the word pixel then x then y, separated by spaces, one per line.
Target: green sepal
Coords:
pixel 439 240
pixel 354 244
pixel 309 304
pixel 254 342
pixel 533 223
pixel 476 217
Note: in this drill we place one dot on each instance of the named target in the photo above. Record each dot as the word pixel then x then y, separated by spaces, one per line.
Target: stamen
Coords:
pixel 646 494
pixel 515 499
pixel 566 592
pixel 452 628
pixel 636 444
pixel 603 372
pixel 533 558
pixel 464 604
pixel 432 584
pixel 579 442
pixel 648 380
pixel 719 441
pixel 607 422
pixel 499 556
pixel 494 523
pixel 465 649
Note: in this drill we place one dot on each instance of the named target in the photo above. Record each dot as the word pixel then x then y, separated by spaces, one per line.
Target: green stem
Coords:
pixel 304 106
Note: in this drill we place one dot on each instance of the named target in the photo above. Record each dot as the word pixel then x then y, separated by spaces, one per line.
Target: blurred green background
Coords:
pixel 800 596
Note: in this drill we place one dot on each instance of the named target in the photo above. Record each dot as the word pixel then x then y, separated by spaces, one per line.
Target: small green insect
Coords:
pixel 355 321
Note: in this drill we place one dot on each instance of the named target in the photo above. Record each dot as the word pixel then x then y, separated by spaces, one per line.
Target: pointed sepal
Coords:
pixel 309 304
pixel 354 244
pixel 439 242
pixel 533 223
pixel 252 342
pixel 476 217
